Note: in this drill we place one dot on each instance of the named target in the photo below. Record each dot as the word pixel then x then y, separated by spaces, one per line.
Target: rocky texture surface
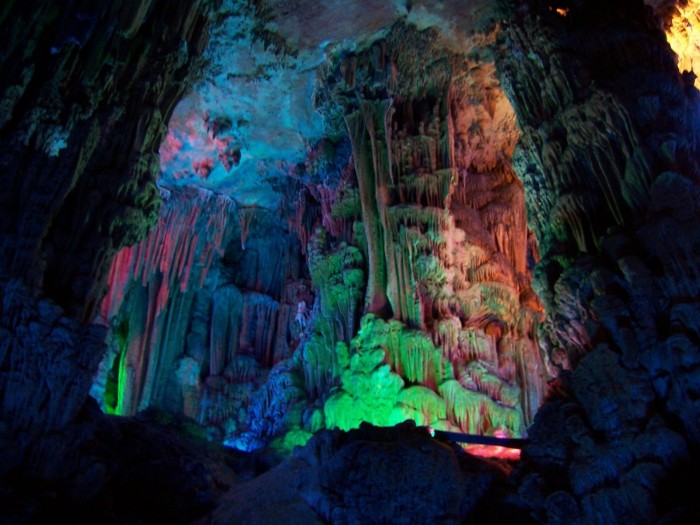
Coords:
pixel 350 478
pixel 608 159
pixel 148 469
pixel 47 359
pixel 85 94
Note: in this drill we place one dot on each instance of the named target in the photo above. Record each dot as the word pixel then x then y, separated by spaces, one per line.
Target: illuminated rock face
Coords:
pixel 683 34
pixel 444 232
pixel 424 225
pixel 148 282
pixel 200 311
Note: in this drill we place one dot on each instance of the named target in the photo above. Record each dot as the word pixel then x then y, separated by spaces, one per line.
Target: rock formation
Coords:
pixel 608 156
pixel 87 91
pixel 479 218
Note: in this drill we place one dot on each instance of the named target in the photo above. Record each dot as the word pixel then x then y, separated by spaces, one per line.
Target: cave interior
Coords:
pixel 350 262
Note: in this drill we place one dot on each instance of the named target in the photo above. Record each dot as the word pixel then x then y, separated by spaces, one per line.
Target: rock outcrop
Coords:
pixel 86 92
pixel 608 156
pixel 350 478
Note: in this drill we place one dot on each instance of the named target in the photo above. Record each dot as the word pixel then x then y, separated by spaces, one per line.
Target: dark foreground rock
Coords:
pixel 140 470
pixel 398 475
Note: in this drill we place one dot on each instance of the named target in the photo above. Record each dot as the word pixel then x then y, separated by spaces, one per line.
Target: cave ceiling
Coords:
pixel 254 113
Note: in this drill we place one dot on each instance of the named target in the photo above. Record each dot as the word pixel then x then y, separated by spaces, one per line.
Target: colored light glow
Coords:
pixel 561 11
pixel 493 451
pixel 485 446
pixel 192 150
pixel 244 443
pixel 683 35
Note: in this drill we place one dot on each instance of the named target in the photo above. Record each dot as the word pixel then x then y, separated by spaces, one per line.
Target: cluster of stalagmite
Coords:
pixel 443 229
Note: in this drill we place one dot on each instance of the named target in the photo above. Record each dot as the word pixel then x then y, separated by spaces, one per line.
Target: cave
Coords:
pixel 350 262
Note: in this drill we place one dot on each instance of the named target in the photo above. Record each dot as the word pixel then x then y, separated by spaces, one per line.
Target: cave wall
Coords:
pixel 86 92
pixel 608 156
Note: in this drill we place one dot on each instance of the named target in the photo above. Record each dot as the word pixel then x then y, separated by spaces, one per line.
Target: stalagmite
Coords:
pixel 376 300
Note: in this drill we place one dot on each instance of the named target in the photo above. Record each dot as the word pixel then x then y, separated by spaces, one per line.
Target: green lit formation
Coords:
pixel 372 390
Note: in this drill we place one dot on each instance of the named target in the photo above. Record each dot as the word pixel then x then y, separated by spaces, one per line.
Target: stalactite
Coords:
pixel 476 345
pixel 428 219
pixel 270 404
pixel 475 413
pixel 151 286
pixel 246 216
pixel 328 197
pixel 346 210
pixel 447 336
pixel 439 197
pixel 412 354
pixel 320 365
pixel 421 405
pixel 174 249
pixel 431 188
pixel 227 309
pixel 258 326
pixel 402 289
pixel 337 275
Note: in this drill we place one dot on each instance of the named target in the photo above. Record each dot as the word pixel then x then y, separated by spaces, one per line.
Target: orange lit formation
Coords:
pixel 683 35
